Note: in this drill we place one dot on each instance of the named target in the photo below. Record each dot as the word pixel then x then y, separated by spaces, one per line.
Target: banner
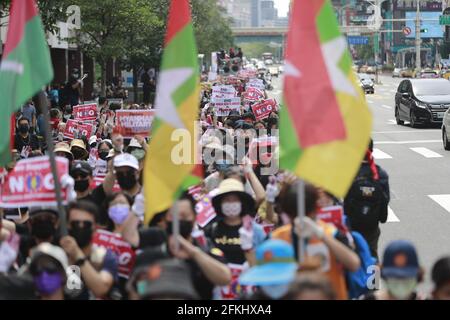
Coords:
pixel 253 94
pixel 263 109
pixel 75 129
pixel 223 107
pixel 31 183
pixel 85 112
pixel 134 122
pixel 125 253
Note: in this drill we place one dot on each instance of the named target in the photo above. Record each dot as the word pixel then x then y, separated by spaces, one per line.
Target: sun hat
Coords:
pixel 233 186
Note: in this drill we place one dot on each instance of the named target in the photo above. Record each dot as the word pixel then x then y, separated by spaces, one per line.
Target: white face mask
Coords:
pixel 275 292
pixel 231 209
pixel 401 289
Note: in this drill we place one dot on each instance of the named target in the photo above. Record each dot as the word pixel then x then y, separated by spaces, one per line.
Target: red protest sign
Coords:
pixel 253 94
pixel 85 112
pixel 125 253
pixel 134 122
pixel 31 183
pixel 76 128
pixel 263 109
pixel 333 215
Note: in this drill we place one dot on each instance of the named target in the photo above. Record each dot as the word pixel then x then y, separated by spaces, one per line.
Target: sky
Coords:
pixel 282 6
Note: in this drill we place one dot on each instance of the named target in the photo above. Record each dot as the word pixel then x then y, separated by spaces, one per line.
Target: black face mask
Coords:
pixel 82 235
pixel 43 229
pixel 24 128
pixel 81 185
pixel 185 228
pixel 103 154
pixel 126 180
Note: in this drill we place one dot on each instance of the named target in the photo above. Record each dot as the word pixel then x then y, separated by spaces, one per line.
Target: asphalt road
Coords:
pixel 419 174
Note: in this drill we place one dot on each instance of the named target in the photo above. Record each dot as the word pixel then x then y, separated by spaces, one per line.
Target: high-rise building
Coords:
pixel 263 13
pixel 238 10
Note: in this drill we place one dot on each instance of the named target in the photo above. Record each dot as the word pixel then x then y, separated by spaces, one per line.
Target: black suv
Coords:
pixel 422 101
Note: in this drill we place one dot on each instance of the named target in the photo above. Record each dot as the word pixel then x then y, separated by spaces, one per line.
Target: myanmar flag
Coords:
pixel 325 126
pixel 25 68
pixel 170 163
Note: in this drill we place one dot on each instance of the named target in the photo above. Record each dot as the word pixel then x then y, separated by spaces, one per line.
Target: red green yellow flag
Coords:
pixel 325 125
pixel 170 164
pixel 25 68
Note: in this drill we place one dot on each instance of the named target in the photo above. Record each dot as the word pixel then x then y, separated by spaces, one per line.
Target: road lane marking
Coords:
pixel 407 142
pixel 391 216
pixel 427 153
pixel 406 131
pixel 392 121
pixel 378 154
pixel 442 199
pixel 386 106
pixel 393 91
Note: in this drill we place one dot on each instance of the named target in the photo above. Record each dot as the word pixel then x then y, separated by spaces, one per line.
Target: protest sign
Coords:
pixel 123 250
pixel 222 91
pixel 204 209
pixel 212 76
pixel 253 94
pixel 31 183
pixel 263 109
pixel 256 83
pixel 333 215
pixel 75 129
pixel 223 107
pixel 85 112
pixel 234 289
pixel 134 122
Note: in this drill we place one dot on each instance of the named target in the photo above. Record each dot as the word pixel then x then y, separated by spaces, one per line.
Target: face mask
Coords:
pixel 275 292
pixel 82 235
pixel 24 128
pixel 231 209
pixel 401 289
pixel 77 154
pixel 48 283
pixel 81 185
pixel 185 228
pixel 126 180
pixel 119 213
pixel 103 154
pixel 43 229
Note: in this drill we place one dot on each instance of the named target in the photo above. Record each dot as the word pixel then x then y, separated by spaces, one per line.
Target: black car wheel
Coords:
pixel 397 117
pixel 445 139
pixel 413 120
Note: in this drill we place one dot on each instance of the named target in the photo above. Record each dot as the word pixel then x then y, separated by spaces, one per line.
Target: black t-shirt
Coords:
pixel 155 237
pixel 227 239
pixel 31 140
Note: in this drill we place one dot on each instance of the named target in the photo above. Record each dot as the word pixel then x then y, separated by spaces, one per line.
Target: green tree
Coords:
pixel 256 49
pixel 51 11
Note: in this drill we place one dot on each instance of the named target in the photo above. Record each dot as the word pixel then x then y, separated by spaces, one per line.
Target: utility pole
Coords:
pixel 418 62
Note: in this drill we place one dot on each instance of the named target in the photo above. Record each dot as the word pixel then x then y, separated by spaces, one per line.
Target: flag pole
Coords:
pixel 301 214
pixel 48 138
pixel 175 225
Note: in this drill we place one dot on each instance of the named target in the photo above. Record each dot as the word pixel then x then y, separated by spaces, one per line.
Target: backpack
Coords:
pixel 357 281
pixel 364 203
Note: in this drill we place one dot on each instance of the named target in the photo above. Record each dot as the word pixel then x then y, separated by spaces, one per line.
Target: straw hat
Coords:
pixel 63 147
pixel 233 186
pixel 80 144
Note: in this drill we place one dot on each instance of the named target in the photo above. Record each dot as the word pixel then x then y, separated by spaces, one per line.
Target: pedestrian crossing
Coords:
pixel 424 152
pixel 443 200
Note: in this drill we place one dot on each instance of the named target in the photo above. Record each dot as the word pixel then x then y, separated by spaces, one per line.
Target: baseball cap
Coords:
pixel 92 139
pixel 50 250
pixel 134 143
pixel 275 265
pixel 126 160
pixel 81 166
pixel 168 277
pixel 400 260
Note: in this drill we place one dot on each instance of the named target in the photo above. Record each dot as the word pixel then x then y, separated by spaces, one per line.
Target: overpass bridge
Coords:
pixel 278 34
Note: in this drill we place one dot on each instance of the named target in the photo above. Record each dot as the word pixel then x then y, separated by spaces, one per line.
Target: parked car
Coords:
pixel 396 73
pixel 422 101
pixel 367 83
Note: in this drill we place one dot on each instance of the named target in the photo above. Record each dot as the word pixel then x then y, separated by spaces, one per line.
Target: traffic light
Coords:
pixel 423 30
